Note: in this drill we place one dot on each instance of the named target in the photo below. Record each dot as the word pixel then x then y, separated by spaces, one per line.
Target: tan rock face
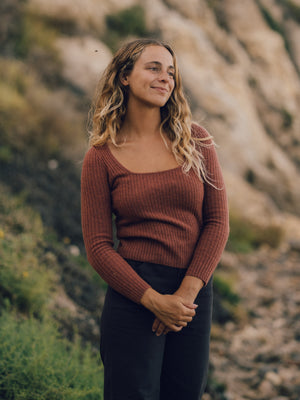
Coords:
pixel 275 81
pixel 273 68
pixel 84 60
pixel 293 33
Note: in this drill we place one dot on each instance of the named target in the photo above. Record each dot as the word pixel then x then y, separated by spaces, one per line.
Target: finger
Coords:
pixel 171 326
pixel 191 306
pixel 155 324
pixel 186 319
pixel 161 327
pixel 181 323
pixel 190 312
pixel 175 328
pixel 182 320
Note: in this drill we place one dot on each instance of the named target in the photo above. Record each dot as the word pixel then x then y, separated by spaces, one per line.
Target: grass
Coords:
pixel 25 283
pixel 36 363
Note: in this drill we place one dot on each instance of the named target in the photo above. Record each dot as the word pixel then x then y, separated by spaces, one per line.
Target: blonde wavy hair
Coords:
pixel 110 103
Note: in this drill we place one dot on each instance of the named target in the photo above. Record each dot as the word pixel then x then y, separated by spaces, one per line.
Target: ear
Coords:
pixel 124 80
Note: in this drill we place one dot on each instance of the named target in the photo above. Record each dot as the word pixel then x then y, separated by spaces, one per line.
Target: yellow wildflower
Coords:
pixel 66 240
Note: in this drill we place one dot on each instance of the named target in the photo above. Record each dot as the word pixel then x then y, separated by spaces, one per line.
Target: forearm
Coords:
pixel 189 288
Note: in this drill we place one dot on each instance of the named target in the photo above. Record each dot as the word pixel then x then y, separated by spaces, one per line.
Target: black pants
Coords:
pixel 138 365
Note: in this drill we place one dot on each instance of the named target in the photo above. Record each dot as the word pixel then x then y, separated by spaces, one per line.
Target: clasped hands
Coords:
pixel 173 312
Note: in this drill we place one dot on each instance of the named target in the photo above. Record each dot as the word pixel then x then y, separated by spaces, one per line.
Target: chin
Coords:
pixel 160 103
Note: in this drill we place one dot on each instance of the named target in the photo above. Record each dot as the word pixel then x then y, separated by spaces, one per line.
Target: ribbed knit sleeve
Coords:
pixel 96 219
pixel 215 230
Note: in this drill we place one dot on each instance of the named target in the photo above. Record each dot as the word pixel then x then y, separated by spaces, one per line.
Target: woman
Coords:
pixel 159 175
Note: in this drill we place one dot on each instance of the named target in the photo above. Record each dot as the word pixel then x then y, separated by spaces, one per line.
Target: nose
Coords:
pixel 164 76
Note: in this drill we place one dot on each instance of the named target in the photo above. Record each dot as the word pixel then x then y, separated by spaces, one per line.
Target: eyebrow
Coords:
pixel 159 63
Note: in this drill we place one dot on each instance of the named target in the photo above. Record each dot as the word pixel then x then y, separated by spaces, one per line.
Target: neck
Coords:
pixel 141 122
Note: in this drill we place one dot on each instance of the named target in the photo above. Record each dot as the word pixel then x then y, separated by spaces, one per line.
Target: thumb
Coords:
pixel 191 306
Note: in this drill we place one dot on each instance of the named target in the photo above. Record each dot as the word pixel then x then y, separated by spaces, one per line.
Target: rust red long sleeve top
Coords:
pixel 167 217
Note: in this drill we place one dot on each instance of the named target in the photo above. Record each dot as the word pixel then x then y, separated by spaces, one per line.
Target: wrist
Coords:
pixel 186 295
pixel 149 299
pixel 189 288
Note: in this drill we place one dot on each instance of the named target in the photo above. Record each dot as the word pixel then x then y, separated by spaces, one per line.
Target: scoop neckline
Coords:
pixel 138 173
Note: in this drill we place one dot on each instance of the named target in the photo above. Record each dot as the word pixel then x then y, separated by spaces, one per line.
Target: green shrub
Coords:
pixel 215 388
pixel 36 363
pixel 35 33
pixel 25 283
pixel 246 235
pixel 292 8
pixel 250 176
pixel 11 12
pixel 5 154
pixel 226 300
pixel 33 260
pixel 224 289
pixel 130 21
pixel 34 120
pixel 287 119
pixel 30 37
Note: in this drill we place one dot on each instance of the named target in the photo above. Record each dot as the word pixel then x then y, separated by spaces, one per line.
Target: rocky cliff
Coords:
pixel 240 63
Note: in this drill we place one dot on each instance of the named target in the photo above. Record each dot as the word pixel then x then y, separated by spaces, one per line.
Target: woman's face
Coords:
pixel 151 81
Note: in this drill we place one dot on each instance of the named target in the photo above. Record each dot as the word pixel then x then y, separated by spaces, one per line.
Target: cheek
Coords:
pixel 172 84
pixel 172 88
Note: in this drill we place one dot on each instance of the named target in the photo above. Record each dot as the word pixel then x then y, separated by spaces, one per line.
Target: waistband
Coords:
pixel 163 278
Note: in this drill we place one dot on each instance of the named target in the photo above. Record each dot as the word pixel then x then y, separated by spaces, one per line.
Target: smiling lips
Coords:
pixel 161 89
